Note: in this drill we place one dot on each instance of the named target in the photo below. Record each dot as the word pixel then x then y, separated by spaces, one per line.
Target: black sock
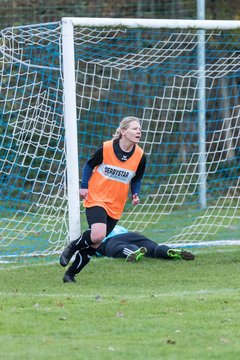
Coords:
pixel 90 251
pixel 81 260
pixel 84 241
pixel 161 251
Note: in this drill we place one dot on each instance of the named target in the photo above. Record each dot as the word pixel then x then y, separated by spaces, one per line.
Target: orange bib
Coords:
pixel 109 184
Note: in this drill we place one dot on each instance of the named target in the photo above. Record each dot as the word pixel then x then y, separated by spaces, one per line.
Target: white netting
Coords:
pixel 150 73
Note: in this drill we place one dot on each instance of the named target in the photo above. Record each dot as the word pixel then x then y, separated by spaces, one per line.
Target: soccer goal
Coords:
pixel 64 88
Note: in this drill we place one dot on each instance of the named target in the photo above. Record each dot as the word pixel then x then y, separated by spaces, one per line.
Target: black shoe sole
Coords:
pixel 68 279
pixel 186 255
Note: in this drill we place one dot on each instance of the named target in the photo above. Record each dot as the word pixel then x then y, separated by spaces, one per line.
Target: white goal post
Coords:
pixel 69 80
pixel 64 88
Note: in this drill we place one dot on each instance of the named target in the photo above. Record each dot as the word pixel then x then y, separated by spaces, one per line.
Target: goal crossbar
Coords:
pixel 155 23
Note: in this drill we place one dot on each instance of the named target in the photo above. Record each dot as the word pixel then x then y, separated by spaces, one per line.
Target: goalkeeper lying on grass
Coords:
pixel 131 246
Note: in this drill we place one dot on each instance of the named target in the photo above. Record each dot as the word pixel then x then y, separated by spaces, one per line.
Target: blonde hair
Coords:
pixel 124 124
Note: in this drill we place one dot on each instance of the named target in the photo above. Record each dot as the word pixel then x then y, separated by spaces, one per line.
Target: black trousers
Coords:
pixel 116 246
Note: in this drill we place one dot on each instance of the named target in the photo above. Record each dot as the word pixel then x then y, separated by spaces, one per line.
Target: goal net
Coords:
pixel 64 89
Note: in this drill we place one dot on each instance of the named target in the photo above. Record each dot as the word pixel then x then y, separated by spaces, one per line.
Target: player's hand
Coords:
pixel 135 199
pixel 83 194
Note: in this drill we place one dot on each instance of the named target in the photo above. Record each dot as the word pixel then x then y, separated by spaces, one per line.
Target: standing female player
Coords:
pixel 115 165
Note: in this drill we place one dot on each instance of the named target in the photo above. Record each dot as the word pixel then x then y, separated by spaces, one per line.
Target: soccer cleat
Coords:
pixel 68 279
pixel 67 254
pixel 180 254
pixel 136 255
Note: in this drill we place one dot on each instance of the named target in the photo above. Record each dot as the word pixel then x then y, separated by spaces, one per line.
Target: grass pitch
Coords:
pixel 153 309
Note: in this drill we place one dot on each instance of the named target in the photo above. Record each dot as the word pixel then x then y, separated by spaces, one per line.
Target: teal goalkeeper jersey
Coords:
pixel 116 231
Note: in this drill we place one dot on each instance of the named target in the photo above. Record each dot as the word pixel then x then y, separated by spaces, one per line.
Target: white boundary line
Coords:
pixel 196 245
pixel 202 292
pixel 207 244
pixel 201 248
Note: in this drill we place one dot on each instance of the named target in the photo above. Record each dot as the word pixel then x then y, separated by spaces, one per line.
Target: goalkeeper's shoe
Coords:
pixel 67 254
pixel 180 254
pixel 136 255
pixel 69 279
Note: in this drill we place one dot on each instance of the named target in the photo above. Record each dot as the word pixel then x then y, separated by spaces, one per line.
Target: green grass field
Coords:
pixel 153 309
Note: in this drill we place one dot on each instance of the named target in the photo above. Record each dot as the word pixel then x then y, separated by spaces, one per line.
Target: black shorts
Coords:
pixel 97 214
